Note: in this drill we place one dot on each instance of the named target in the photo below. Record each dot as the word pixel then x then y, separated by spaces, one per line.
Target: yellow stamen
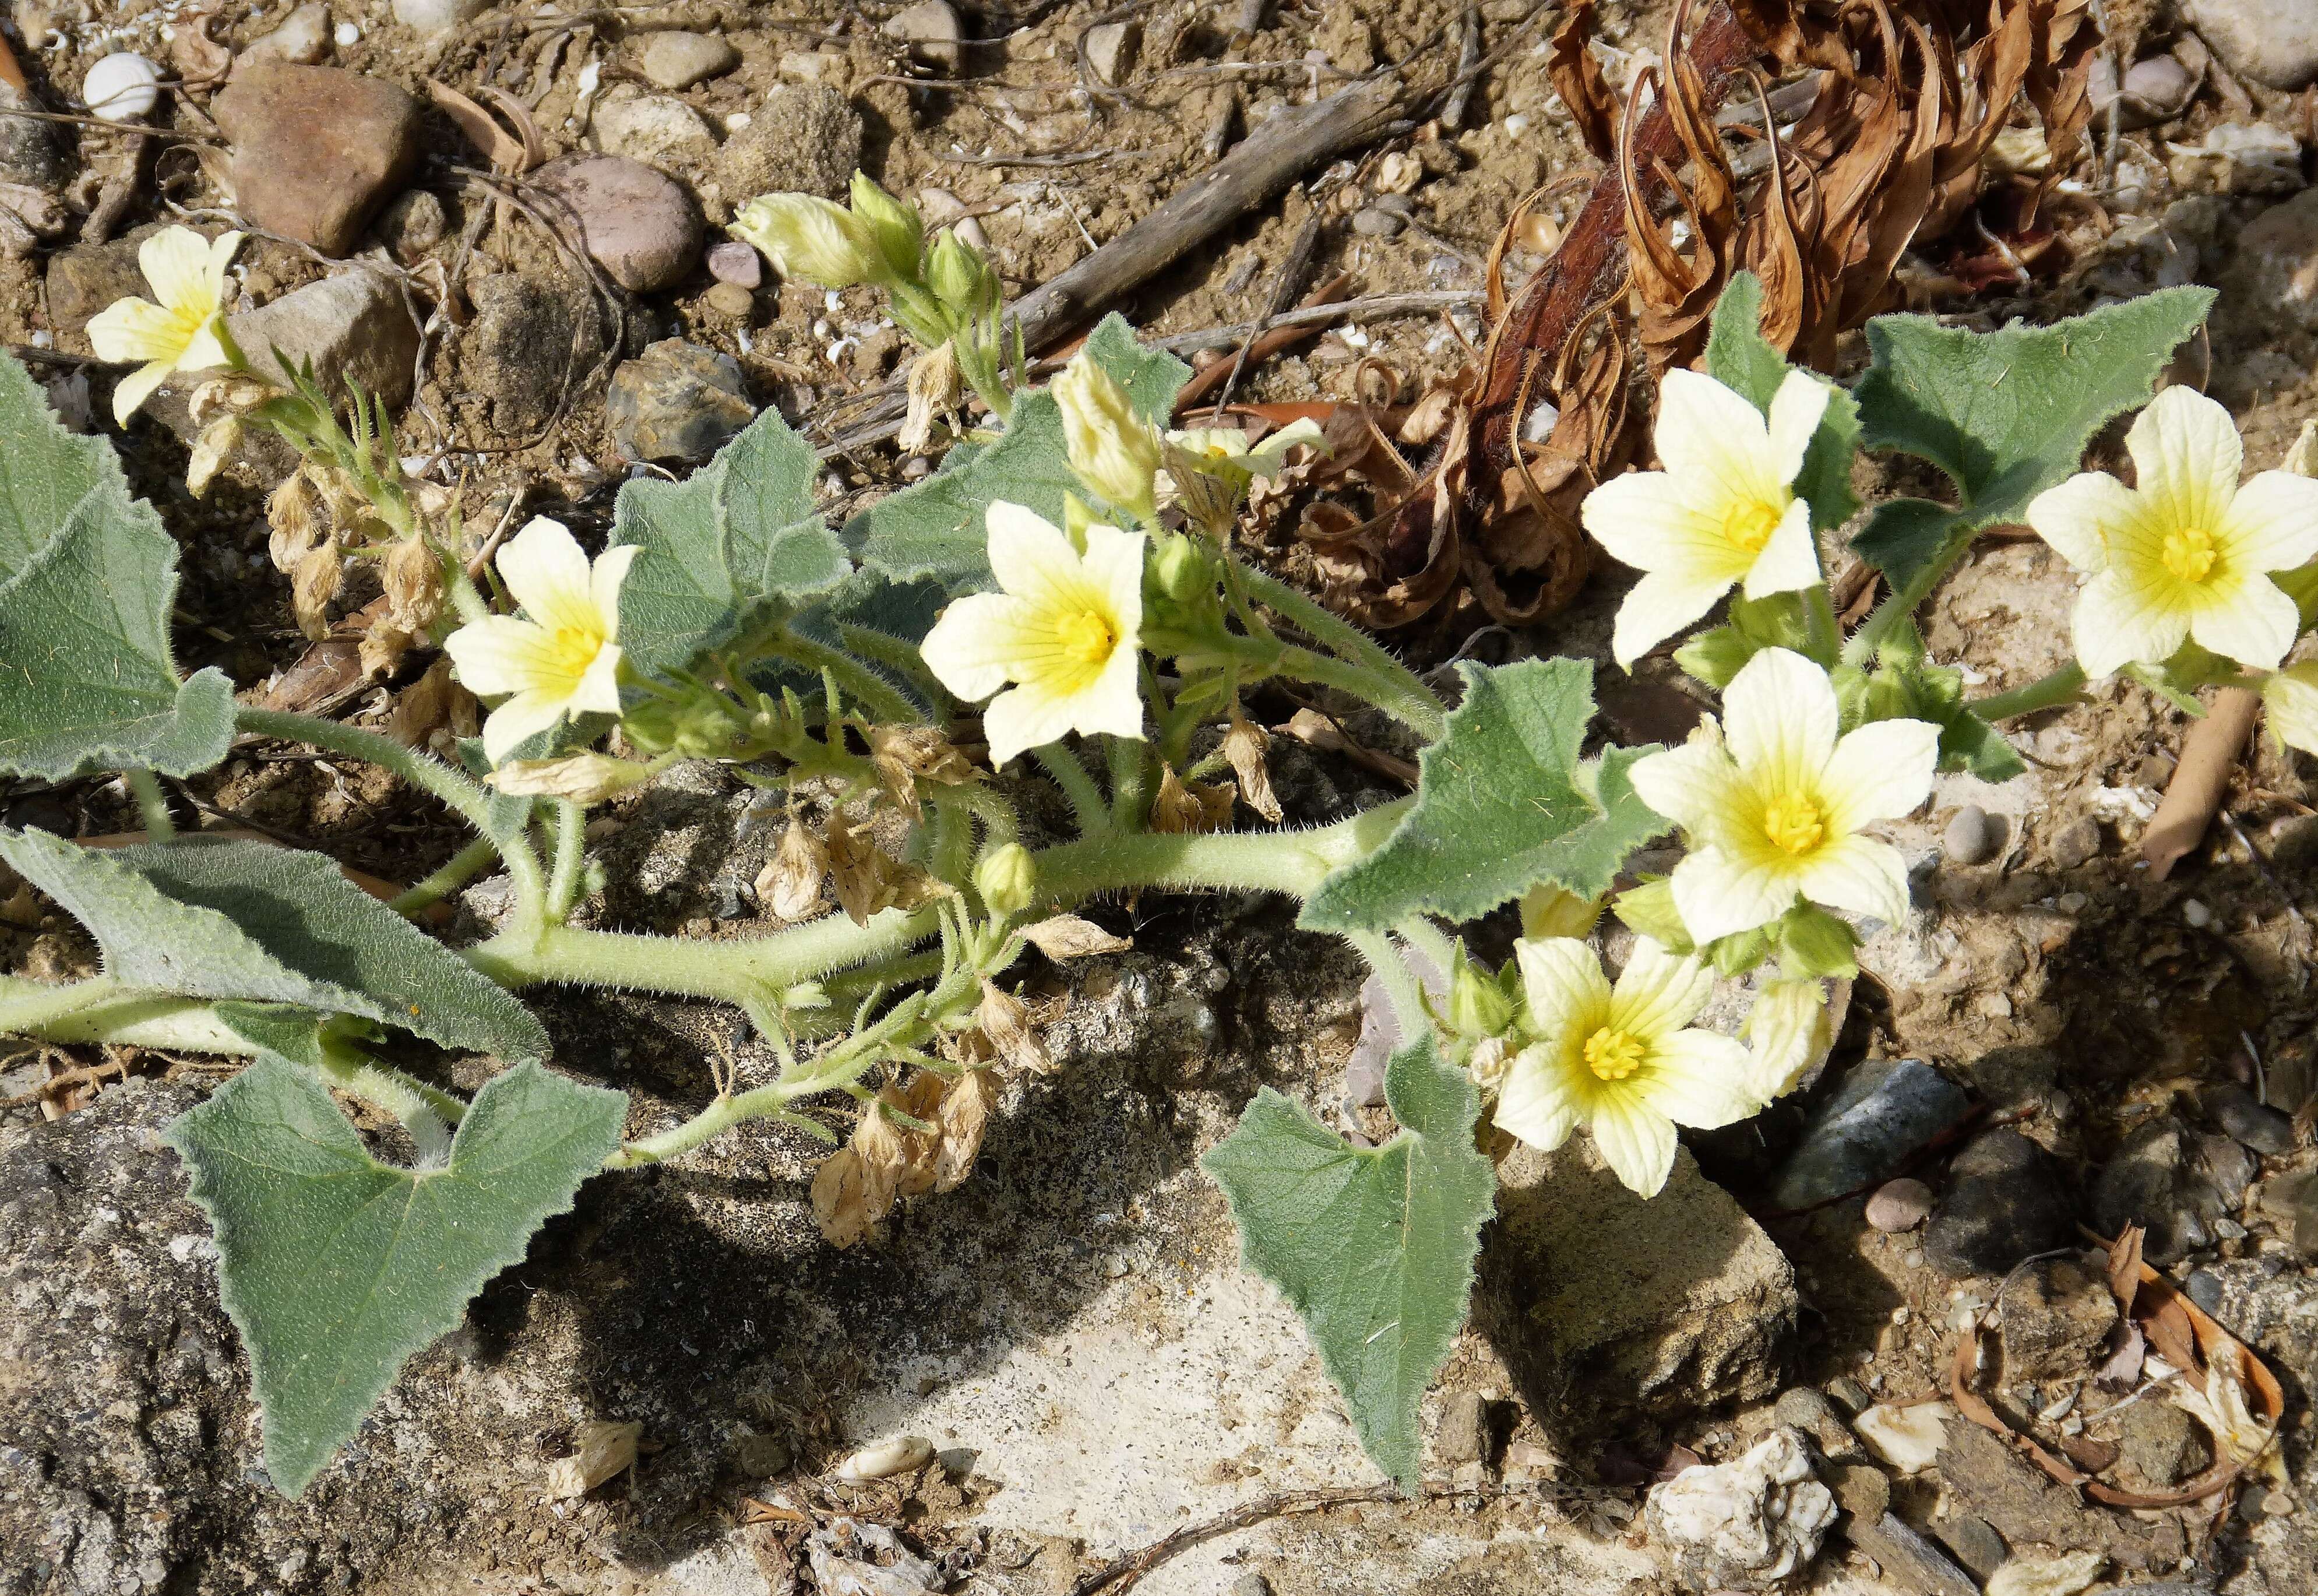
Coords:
pixel 1793 822
pixel 1612 1054
pixel 1749 525
pixel 1086 637
pixel 2189 552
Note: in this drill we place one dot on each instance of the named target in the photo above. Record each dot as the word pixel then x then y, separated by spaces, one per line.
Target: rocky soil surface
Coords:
pixel 2054 1044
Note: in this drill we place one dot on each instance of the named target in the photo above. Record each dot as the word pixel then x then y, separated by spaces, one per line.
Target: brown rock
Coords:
pixel 1986 1477
pixel 2056 1317
pixel 640 224
pixel 317 150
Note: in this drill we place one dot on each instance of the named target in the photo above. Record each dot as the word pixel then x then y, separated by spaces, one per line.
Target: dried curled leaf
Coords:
pixel 842 1199
pixel 1577 77
pixel 1007 1024
pixel 1068 937
pixel 1190 807
pixel 964 1114
pixel 1244 745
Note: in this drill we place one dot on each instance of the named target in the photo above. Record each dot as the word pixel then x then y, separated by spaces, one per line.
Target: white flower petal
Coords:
pixel 1700 1078
pixel 2080 517
pixel 523 716
pixel 1659 992
pixel 2272 524
pixel 1023 718
pixel 1540 1102
pixel 1796 411
pixel 2246 618
pixel 2185 458
pixel 1719 894
pixel 1858 873
pixel 1637 1141
pixel 1789 562
pixel 129 330
pixel 1114 567
pixel 2289 701
pixel 1562 980
pixel 598 688
pixel 2118 620
pixel 546 572
pixel 969 648
pixel 1780 716
pixel 1652 521
pixel 1031 557
pixel 501 654
pixel 605 579
pixel 136 388
pixel 1693 785
pixel 177 262
pixel 1113 702
pixel 1709 436
pixel 1879 772
pixel 1787 1031
pixel 1661 604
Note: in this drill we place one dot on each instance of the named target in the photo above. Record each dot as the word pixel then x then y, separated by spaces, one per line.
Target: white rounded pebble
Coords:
pixel 122 87
pixel 886 1458
pixel 347 33
pixel 2198 916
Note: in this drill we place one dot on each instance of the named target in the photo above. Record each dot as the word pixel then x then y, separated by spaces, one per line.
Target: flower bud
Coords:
pixel 2302 460
pixel 2289 706
pixel 1007 878
pixel 811 240
pixel 701 727
pixel 1477 1004
pixel 1114 451
pixel 1549 911
pixel 1813 942
pixel 900 235
pixel 961 278
pixel 790 882
pixel 1648 910
pixel 584 778
pixel 1181 570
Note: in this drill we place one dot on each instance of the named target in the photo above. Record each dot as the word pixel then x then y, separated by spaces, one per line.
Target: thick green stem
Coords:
pixel 570 852
pixel 872 692
pixel 1392 686
pixel 740 971
pixel 102 1010
pixel 1077 783
pixel 462 868
pixel 1129 799
pixel 2062 687
pixel 152 805
pixel 422 771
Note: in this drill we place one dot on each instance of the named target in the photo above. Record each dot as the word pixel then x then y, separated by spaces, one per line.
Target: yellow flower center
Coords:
pixel 2189 552
pixel 1749 525
pixel 1086 637
pixel 574 651
pixel 1612 1054
pixel 1793 823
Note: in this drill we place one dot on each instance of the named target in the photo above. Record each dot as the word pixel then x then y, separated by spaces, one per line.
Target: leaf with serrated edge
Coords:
pixel 2005 414
pixel 1742 360
pixel 245 920
pixel 337 1267
pixel 87 580
pixel 1373 1247
pixel 935 529
pixel 735 541
pixel 1502 803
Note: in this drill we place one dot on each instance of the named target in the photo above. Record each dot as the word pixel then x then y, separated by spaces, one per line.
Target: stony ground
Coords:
pixel 1070 1330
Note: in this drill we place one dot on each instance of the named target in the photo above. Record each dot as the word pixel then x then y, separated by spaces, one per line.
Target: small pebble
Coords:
pixel 347 33
pixel 2077 843
pixel 122 87
pixel 932 30
pixel 736 262
pixel 1373 223
pixel 673 59
pixel 1973 836
pixel 1900 1205
pixel 729 299
pixel 886 1458
pixel 2197 914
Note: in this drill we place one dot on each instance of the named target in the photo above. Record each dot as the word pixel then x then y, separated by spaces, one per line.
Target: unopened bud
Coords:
pixel 1550 911
pixel 1243 746
pixel 790 882
pixel 1007 879
pixel 809 239
pixel 1113 450
pixel 1007 1023
pixel 701 727
pixel 1478 1005
pixel 2302 460
pixel 899 235
pixel 959 276
pixel 1182 570
pixel 583 778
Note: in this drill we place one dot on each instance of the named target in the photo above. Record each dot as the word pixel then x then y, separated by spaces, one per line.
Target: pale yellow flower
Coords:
pixel 1114 451
pixel 1722 514
pixel 1788 1031
pixel 810 239
pixel 562 657
pixel 1619 1060
pixel 184 331
pixel 1065 628
pixel 2187 552
pixel 1225 449
pixel 1774 813
pixel 2289 705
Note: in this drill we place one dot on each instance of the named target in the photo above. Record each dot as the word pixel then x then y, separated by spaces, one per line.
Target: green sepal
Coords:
pixel 1812 942
pixel 1648 911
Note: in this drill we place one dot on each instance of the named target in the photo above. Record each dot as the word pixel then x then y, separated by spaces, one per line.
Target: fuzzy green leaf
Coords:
pixel 337 1267
pixel 87 580
pixel 1741 359
pixel 1503 803
pixel 245 919
pixel 2005 414
pixel 1374 1247
pixel 733 543
pixel 935 529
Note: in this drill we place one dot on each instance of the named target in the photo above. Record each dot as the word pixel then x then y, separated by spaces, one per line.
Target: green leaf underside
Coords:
pixel 735 543
pixel 1742 360
pixel 1502 803
pixel 87 580
pixel 248 920
pixel 935 529
pixel 337 1267
pixel 1373 1247
pixel 2007 414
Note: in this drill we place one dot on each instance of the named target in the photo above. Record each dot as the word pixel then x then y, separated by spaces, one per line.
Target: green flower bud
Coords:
pixel 810 240
pixel 1181 570
pixel 702 727
pixel 1478 1005
pixel 1715 656
pixel 1648 910
pixel 900 235
pixel 958 275
pixel 1007 878
pixel 1737 953
pixel 1813 942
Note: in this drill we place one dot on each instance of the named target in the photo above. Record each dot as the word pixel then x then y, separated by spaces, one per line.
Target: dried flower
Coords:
pixel 1244 745
pixel 844 1203
pixel 1068 937
pixel 212 450
pixel 964 1114
pixel 606 1448
pixel 1180 806
pixel 583 778
pixel 411 574
pixel 936 389
pixel 790 882
pixel 1007 1023
pixel 314 582
pixel 905 755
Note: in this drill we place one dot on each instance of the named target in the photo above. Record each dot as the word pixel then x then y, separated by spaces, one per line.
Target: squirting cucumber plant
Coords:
pixel 1060 603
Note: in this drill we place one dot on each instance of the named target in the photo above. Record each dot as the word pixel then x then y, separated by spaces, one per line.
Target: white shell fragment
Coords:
pixel 1907 1439
pixel 883 1460
pixel 122 87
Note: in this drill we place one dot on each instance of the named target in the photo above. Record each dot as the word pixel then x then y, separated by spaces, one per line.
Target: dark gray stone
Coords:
pixel 2055 1317
pixel 1886 1110
pixel 2077 843
pixel 677 401
pixel 1974 1541
pixel 2173 1181
pixel 517 352
pixel 2249 1119
pixel 2161 1445
pixel 2006 1201
pixel 1811 1412
pixel 33 153
pixel 800 136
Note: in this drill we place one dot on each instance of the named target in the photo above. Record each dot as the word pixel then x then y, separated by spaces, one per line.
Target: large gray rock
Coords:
pixel 2274 42
pixel 353 326
pixel 659 130
pixel 2174 1182
pixel 674 60
pixel 1603 1304
pixel 677 401
pixel 32 152
pixel 1883 1112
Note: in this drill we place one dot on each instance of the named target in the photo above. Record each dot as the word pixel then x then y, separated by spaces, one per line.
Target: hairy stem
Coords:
pixel 871 691
pixel 570 851
pixel 103 1010
pixel 462 868
pixel 152 805
pixel 1393 688
pixel 2061 687
pixel 1087 807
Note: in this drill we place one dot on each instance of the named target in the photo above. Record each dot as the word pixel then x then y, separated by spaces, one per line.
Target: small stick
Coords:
pixel 1260 348
pixel 2194 796
pixel 1371 307
pixel 1079 160
pixel 1468 62
pixel 1293 271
